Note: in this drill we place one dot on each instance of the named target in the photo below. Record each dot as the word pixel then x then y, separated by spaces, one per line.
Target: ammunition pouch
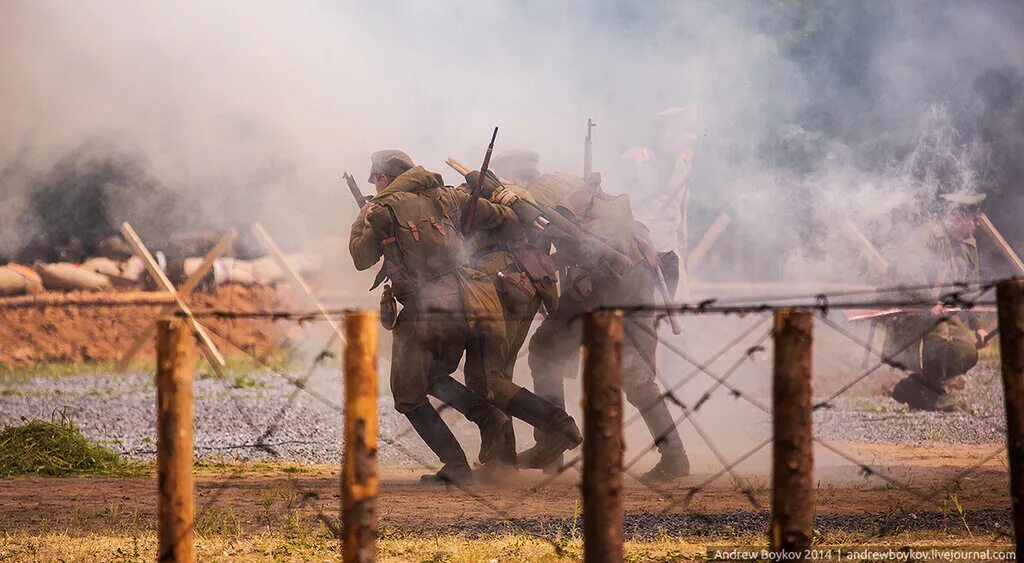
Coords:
pixel 578 284
pixel 388 309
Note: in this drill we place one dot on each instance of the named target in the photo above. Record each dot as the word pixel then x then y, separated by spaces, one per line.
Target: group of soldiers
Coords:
pixel 472 270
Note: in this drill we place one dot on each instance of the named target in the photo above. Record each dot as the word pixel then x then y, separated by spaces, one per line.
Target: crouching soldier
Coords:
pixel 937 347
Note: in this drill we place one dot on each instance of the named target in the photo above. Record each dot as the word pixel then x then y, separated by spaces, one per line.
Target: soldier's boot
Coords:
pixel 560 430
pixel 497 438
pixel 920 394
pixel 551 389
pixel 432 428
pixel 673 463
pixel 949 399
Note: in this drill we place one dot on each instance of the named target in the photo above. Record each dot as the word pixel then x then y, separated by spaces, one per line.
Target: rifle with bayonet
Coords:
pixel 356 192
pixel 588 143
pixel 469 212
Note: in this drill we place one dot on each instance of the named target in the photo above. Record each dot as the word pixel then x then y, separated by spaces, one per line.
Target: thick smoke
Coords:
pixel 811 112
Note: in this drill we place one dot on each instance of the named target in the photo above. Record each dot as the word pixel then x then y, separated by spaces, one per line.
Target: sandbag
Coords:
pixel 225 270
pixel 67 276
pixel 17 279
pixel 120 273
pixel 267 272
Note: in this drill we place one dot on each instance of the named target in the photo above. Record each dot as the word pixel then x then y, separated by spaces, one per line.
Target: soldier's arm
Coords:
pixel 364 242
pixel 488 215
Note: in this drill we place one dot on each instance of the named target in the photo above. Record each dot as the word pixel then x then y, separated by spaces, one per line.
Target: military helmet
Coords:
pixel 389 162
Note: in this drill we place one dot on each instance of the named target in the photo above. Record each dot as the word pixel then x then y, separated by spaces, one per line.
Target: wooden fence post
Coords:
pixel 176 365
pixel 359 475
pixel 792 446
pixel 602 437
pixel 1010 297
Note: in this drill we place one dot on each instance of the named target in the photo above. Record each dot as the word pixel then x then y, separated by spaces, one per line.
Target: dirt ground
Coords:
pixel 254 494
pixel 95 334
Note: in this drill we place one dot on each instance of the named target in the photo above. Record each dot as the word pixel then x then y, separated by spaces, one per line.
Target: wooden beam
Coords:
pixel 1010 296
pixel 990 229
pixel 359 475
pixel 293 275
pixel 876 262
pixel 210 350
pixel 87 299
pixel 602 437
pixel 707 240
pixel 186 288
pixel 792 444
pixel 175 411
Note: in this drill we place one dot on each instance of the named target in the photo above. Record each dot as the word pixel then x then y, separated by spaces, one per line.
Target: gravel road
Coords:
pixel 233 414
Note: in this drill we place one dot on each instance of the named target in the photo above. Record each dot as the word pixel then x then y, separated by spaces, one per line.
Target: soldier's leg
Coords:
pixel 554 355
pixel 412 361
pixel 642 391
pixel 948 353
pixel 902 349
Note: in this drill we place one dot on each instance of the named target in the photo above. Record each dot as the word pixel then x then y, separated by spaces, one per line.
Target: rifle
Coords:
pixel 545 217
pixel 354 188
pixel 470 212
pixel 588 163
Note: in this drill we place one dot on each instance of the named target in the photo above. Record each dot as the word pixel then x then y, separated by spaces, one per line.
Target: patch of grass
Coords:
pixel 245 381
pixel 55 448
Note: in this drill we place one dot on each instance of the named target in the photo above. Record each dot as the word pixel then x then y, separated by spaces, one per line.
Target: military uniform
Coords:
pixel 413 224
pixel 937 352
pixel 594 277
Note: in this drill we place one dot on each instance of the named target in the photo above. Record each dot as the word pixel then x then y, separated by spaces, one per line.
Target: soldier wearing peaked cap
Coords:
pixel 937 351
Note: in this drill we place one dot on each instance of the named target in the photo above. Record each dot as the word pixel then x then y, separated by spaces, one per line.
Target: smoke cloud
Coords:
pixel 811 112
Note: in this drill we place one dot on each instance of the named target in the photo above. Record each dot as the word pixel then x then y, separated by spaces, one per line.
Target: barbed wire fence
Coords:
pixel 791 525
pixel 354 523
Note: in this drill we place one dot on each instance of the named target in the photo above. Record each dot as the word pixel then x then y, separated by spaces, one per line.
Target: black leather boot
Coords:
pixel 497 439
pixel 429 425
pixel 560 430
pixel 673 463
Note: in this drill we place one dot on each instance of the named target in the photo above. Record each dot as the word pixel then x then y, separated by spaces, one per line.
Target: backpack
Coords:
pixel 423 242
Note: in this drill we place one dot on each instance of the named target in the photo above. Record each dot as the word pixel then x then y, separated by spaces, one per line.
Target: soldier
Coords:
pixel 414 223
pixel 660 184
pixel 604 266
pixel 937 351
pixel 519 265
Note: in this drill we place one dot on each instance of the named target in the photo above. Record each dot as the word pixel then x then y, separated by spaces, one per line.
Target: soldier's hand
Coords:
pixel 504 196
pixel 938 309
pixel 981 334
pixel 364 213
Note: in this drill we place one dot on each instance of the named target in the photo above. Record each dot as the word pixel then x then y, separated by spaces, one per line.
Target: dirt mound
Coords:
pixel 101 333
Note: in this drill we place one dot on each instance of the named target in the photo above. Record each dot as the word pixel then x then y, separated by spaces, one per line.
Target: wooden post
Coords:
pixel 359 475
pixel 176 365
pixel 792 455
pixel 602 437
pixel 1010 296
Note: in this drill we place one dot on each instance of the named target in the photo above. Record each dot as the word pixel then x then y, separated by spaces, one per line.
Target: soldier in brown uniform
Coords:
pixel 414 223
pixel 937 352
pixel 518 263
pixel 605 268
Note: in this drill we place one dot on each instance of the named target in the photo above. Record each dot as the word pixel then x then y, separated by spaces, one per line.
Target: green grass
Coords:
pixel 55 449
